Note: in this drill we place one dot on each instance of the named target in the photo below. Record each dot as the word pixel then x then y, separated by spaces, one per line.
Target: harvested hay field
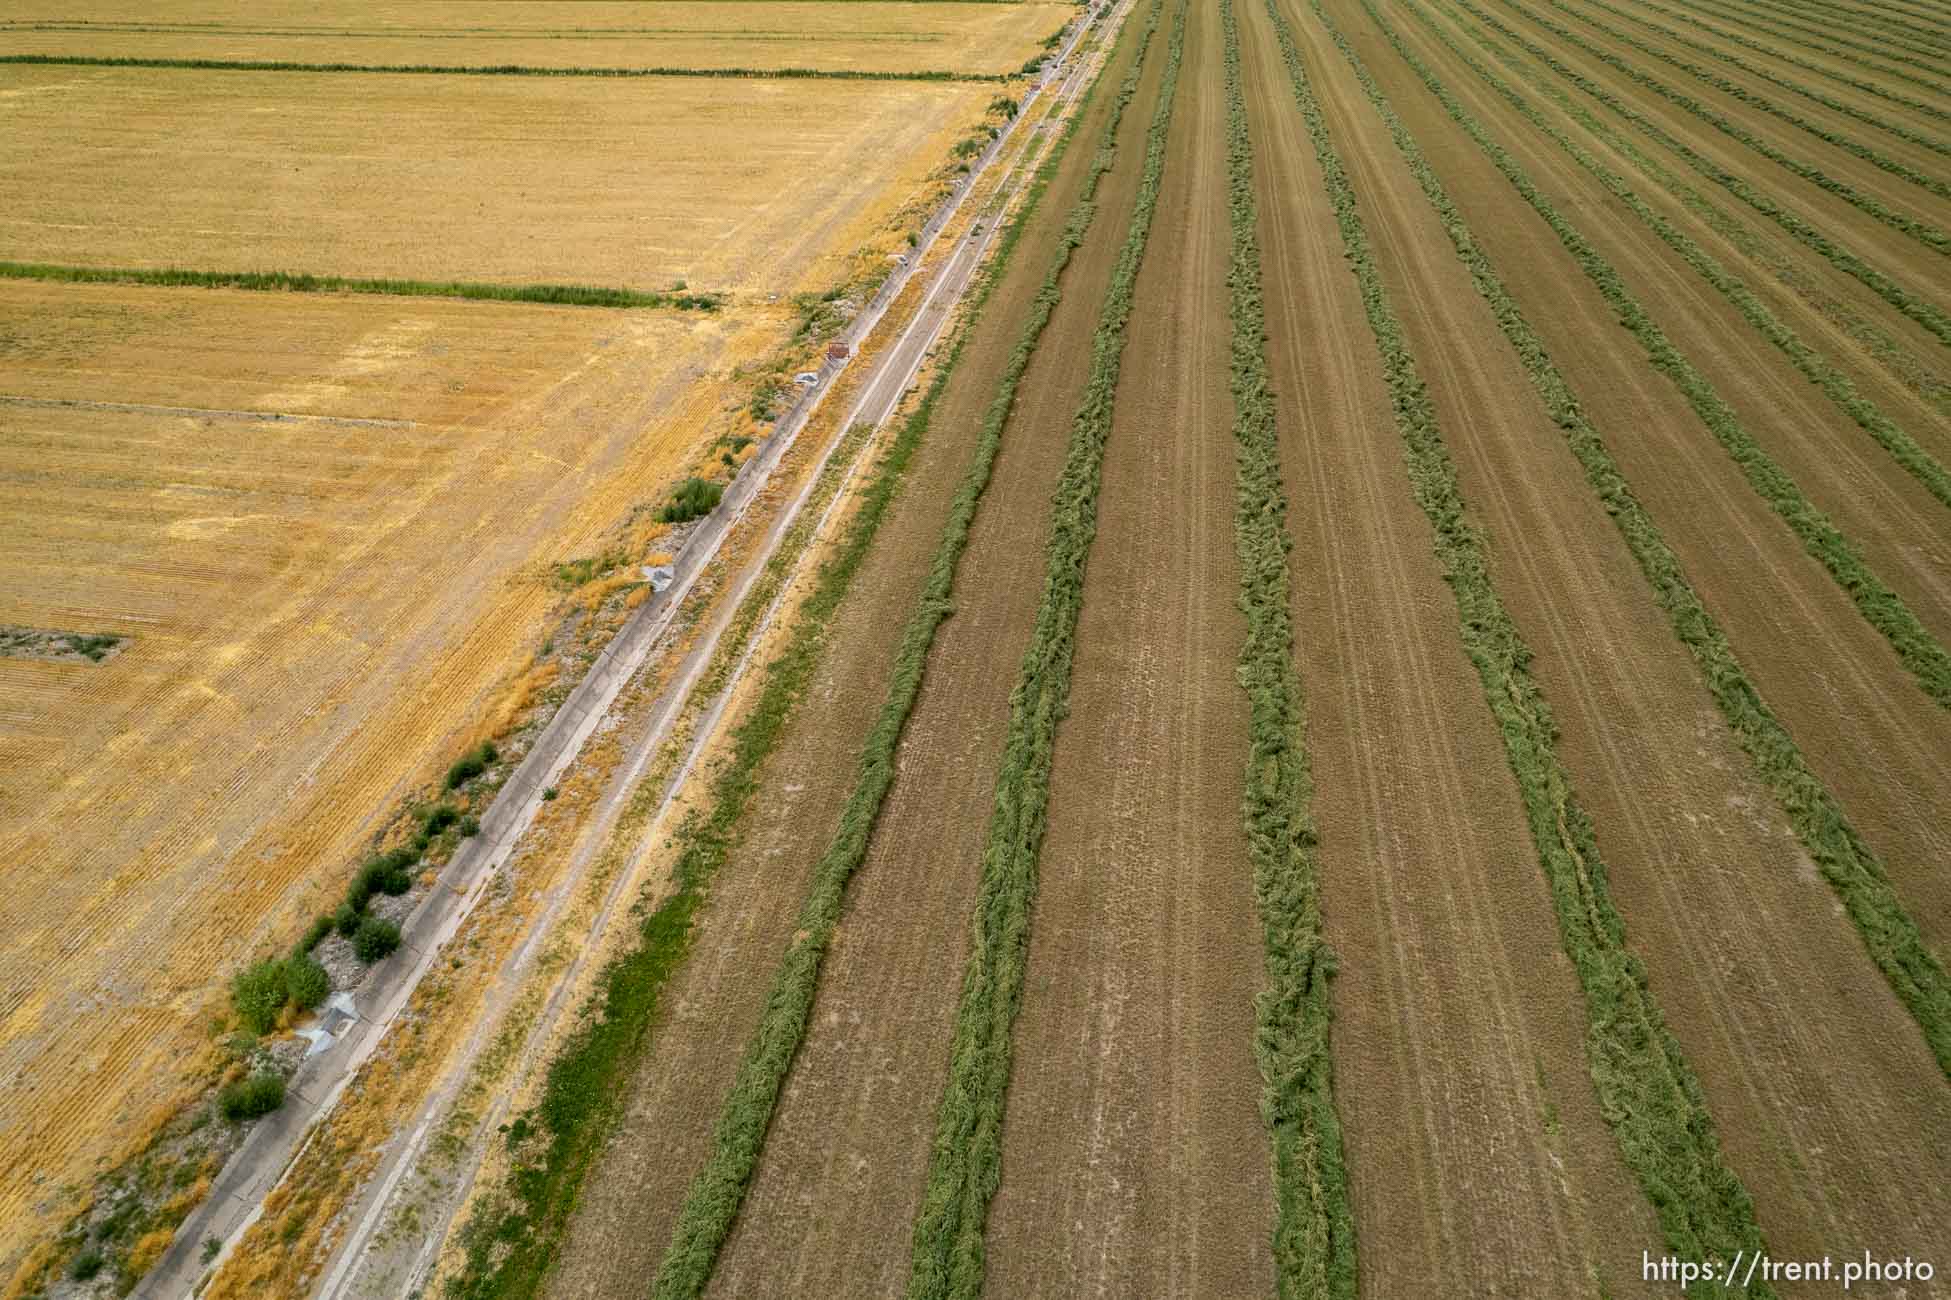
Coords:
pixel 868 36
pixel 326 528
pixel 735 184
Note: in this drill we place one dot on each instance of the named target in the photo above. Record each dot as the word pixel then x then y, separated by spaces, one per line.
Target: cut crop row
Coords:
pixel 514 1239
pixel 1774 21
pixel 1648 1093
pixel 712 1202
pixel 1901 364
pixel 1875 19
pixel 1314 1226
pixel 1881 607
pixel 1850 865
pixel 1925 313
pixel 1812 366
pixel 966 1157
pixel 485 70
pixel 1923 232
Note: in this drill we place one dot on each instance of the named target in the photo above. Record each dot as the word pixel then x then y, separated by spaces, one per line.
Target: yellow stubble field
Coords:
pixel 745 185
pixel 860 36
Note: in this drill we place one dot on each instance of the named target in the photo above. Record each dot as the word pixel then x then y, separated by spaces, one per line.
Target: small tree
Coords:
pixel 377 938
pixel 306 982
pixel 258 993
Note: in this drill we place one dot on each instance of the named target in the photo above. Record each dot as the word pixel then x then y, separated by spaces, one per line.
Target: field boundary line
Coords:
pixel 1315 1241
pixel 491 69
pixel 1880 606
pixel 1925 233
pixel 1924 312
pixel 1897 360
pixel 1849 865
pixel 1835 385
pixel 1647 1092
pixel 965 1159
pixel 556 295
pixel 717 1191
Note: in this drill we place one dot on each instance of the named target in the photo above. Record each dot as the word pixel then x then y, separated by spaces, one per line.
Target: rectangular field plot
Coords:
pixel 857 37
pixel 325 524
pixel 729 184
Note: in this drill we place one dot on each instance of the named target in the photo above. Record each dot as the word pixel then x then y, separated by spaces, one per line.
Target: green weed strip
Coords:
pixel 1314 1225
pixel 515 1237
pixel 487 70
pixel 966 1158
pixel 1648 1093
pixel 1812 366
pixel 712 1202
pixel 1846 862
pixel 1923 232
pixel 560 295
pixel 1923 312
pixel 1881 607
pixel 1897 360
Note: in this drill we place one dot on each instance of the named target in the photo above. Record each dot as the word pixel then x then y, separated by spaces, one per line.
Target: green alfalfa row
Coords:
pixel 712 1202
pixel 1810 364
pixel 1850 865
pixel 1647 1092
pixel 966 1156
pixel 1882 123
pixel 561 295
pixel 1925 313
pixel 513 1241
pixel 1897 360
pixel 1776 51
pixel 1314 1225
pixel 1774 22
pixel 1882 20
pixel 1881 607
pixel 1923 232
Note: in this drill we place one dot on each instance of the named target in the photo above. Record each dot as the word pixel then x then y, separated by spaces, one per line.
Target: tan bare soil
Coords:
pixel 726 183
pixel 1762 978
pixel 863 36
pixel 632 1200
pixel 1134 1158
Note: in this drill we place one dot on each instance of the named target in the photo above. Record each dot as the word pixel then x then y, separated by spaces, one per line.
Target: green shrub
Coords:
pixel 320 927
pixel 693 499
pixel 306 982
pixel 439 817
pixel 470 826
pixel 346 919
pixel 258 994
pixel 249 1098
pixel 86 1265
pixel 476 760
pixel 376 938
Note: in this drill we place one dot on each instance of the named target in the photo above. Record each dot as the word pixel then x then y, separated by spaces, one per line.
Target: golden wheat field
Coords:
pixel 727 183
pixel 867 36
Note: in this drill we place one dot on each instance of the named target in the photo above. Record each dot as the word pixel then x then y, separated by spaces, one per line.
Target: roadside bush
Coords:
pixel 249 1098
pixel 470 826
pixel 376 938
pixel 471 764
pixel 306 982
pixel 439 818
pixel 346 919
pixel 693 499
pixel 320 927
pixel 258 994
pixel 86 1265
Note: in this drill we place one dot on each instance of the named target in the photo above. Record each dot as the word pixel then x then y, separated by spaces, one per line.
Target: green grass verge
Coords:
pixel 1920 310
pixel 561 295
pixel 1812 366
pixel 1881 607
pixel 1881 122
pixel 1846 862
pixel 1647 1092
pixel 1314 1225
pixel 712 1201
pixel 1897 360
pixel 966 1159
pixel 487 70
pixel 1775 51
pixel 1930 236
pixel 1776 22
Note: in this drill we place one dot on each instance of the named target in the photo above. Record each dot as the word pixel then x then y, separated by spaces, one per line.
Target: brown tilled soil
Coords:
pixel 632 1200
pixel 1134 1159
pixel 1480 1163
pixel 1762 978
pixel 829 1210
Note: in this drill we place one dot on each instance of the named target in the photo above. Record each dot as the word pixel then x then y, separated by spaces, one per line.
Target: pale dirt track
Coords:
pixel 1763 980
pixel 1134 1158
pixel 632 1200
pixel 1479 1161
pixel 829 1210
